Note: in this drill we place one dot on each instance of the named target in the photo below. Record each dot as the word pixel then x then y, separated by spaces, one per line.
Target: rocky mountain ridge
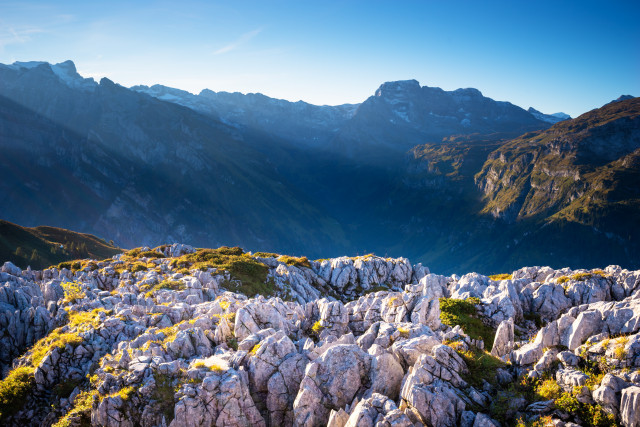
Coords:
pixel 160 337
pixel 132 168
pixel 140 170
pixel 398 116
pixel 40 247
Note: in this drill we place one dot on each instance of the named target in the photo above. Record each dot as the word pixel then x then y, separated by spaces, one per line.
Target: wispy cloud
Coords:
pixel 11 35
pixel 238 42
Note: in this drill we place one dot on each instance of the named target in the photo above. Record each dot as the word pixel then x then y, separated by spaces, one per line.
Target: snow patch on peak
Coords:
pixel 549 118
pixel 65 71
pixel 28 64
pixel 392 89
pixel 469 92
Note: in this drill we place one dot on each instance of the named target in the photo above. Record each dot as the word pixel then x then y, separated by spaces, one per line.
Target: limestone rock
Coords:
pixel 321 390
pixel 503 343
pixel 630 406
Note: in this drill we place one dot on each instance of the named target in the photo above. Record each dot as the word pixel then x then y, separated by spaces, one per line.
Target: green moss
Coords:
pixel 567 403
pixel 233 343
pixel 392 302
pixel 545 421
pixel 217 368
pixel 482 366
pixel 591 415
pixel 464 313
pixel 250 275
pixel 125 393
pixel 133 253
pixel 620 353
pixel 64 388
pixel 55 339
pixel 14 390
pixel 172 285
pixel 562 279
pixel 404 332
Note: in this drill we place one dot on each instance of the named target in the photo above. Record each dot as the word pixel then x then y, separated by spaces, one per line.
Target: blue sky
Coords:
pixel 554 56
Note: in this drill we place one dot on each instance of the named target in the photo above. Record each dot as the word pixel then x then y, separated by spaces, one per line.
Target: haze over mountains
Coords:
pixel 453 179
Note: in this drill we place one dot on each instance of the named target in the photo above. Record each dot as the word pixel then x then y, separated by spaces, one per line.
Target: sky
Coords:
pixel 569 56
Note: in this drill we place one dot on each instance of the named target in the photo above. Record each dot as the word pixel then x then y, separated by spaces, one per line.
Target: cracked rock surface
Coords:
pixel 366 341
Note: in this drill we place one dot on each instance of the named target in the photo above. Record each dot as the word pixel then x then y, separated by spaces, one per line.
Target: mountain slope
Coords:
pixel 132 168
pixel 571 167
pixel 394 175
pixel 399 116
pixel 575 183
pixel 403 114
pixel 41 247
pixel 298 123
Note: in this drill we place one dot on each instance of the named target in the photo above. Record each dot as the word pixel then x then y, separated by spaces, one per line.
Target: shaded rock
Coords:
pixel 630 406
pixel 608 394
pixel 503 343
pixel 321 390
pixel 221 399
pixel 377 410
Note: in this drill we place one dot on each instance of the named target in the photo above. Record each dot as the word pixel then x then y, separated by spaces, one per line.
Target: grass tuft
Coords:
pixel 464 313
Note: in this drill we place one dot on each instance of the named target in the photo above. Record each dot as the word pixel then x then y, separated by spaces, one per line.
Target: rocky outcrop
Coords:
pixel 162 347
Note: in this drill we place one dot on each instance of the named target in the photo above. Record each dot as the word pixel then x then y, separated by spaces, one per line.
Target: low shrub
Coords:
pixel 581 277
pixel 255 349
pixel 482 366
pixel 503 276
pixel 172 285
pixel 150 254
pixel 317 328
pixel 295 261
pixel 14 390
pixel 72 292
pixel 464 313
pixel 138 266
pixel 249 275
pixel 549 389
pixel 80 413
pixel 164 395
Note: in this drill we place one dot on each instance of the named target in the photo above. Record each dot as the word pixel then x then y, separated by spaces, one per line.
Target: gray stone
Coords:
pixel 630 406
pixel 504 340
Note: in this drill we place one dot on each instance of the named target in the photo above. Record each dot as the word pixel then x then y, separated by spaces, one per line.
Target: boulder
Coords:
pixel 321 390
pixel 608 394
pixel 630 406
pixel 504 340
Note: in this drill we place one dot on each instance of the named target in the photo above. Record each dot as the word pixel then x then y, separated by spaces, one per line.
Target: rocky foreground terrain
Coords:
pixel 175 336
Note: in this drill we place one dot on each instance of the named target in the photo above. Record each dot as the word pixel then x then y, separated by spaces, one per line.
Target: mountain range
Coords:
pixel 452 179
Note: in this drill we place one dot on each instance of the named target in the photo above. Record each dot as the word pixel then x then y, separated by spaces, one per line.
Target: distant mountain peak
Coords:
pixel 468 92
pixel 66 71
pixel 392 89
pixel 623 98
pixel 549 118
